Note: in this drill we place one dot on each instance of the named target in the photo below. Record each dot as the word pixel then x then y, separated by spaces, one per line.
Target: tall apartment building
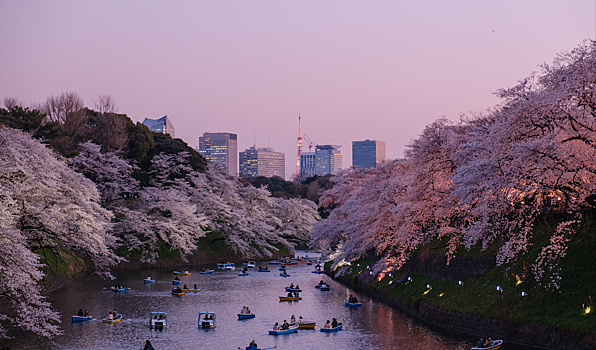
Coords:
pixel 326 159
pixel 367 154
pixel 262 162
pixel 162 125
pixel 221 148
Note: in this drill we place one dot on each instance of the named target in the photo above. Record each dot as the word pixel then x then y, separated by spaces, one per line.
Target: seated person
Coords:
pixel 276 327
pixel 300 319
pixel 291 285
pixel 285 325
pixel 247 311
pixel 253 344
pixel 289 294
pixel 480 343
pixel 297 287
pixel 110 316
pixel 80 312
pixel 293 319
pixel 87 313
pixel 185 286
pixel 334 323
pixel 195 286
pixel 177 278
pixel 148 277
pixel 296 295
pixel 321 283
pixel 328 324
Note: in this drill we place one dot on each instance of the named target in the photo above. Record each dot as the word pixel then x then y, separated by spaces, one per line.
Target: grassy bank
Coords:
pixel 479 295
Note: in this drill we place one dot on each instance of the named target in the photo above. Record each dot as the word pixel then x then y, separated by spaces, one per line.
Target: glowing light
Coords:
pixel 429 286
pixel 390 282
pixel 586 309
pixel 440 295
pixel 425 293
pixel 499 288
pixel 461 283
pixel 524 294
pixel 409 278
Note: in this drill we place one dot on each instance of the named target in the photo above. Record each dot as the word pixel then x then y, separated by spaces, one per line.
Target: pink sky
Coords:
pixel 356 70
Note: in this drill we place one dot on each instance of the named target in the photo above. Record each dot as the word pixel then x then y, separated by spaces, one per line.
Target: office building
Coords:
pixel 262 162
pixel 307 164
pixel 221 148
pixel 162 125
pixel 326 159
pixel 367 154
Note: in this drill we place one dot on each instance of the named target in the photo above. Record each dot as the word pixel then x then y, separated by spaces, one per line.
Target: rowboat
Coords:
pixel 119 290
pixel 118 318
pixel 182 273
pixel 284 274
pixel 231 266
pixel 207 272
pixel 318 271
pixel 324 288
pixel 334 329
pixel 348 304
pixel 191 290
pixel 245 316
pixel 175 282
pixel 81 318
pixel 264 270
pixel 496 346
pixel 178 293
pixel 158 319
pixel 291 329
pixel 290 298
pixel 250 264
pixel 206 319
pixel 243 274
pixel 149 280
pixel 309 263
pixel 288 289
pixel 274 262
pixel 306 325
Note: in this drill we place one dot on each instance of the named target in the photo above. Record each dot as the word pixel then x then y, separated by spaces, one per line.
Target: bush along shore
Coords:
pixel 473 296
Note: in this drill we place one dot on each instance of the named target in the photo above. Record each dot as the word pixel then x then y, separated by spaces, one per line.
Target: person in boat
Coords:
pixel 290 295
pixel 253 344
pixel 185 286
pixel 296 295
pixel 334 323
pixel 176 278
pixel 292 285
pixel 276 327
pixel 243 310
pixel 293 319
pixel 321 283
pixel 297 287
pixel 86 313
pixel 300 319
pixel 247 310
pixel 285 325
pixel 195 286
pixel 328 324
pixel 148 345
pixel 489 342
pixel 110 316
pixel 178 290
pixel 148 278
pixel 480 343
pixel 80 313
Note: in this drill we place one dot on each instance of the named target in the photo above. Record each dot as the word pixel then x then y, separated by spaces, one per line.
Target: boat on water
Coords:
pixel 264 270
pixel 149 280
pixel 276 262
pixel 332 329
pixel 179 294
pixel 158 319
pixel 191 290
pixel 496 346
pixel 243 274
pixel 309 262
pixel 290 298
pixel 118 318
pixel 118 289
pixel 289 289
pixel 207 272
pixel 182 273
pixel 250 264
pixel 291 329
pixel 206 319
pixel 306 325
pixel 231 267
pixel 284 274
pixel 318 271
pixel 175 282
pixel 81 318
pixel 245 316
pixel 348 304
pixel 324 288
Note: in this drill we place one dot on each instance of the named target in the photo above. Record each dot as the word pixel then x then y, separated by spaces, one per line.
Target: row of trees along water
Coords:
pixel 483 180
pixel 84 183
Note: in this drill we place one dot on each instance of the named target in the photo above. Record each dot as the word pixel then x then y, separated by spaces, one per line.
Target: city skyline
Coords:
pixel 354 71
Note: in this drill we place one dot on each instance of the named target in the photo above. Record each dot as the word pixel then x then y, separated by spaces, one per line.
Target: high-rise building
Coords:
pixel 262 162
pixel 327 159
pixel 221 148
pixel 367 154
pixel 162 125
pixel 307 164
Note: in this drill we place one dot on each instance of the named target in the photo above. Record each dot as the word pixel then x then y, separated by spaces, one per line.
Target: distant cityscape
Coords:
pixel 222 148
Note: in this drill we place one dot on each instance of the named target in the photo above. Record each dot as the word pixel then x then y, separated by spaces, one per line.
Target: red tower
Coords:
pixel 299 149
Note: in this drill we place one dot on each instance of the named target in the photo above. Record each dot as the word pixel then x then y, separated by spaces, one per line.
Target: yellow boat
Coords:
pixel 306 325
pixel 289 298
pixel 191 290
pixel 114 320
pixel 178 294
pixel 495 346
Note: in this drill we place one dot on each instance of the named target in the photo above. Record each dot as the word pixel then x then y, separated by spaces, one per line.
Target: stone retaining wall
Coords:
pixel 460 267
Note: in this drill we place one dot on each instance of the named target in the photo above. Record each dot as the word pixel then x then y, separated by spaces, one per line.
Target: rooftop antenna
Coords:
pixel 299 144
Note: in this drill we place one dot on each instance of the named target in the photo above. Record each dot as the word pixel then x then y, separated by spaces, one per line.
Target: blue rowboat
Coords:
pixel 261 270
pixel 324 288
pixel 119 290
pixel 149 280
pixel 335 329
pixel 292 329
pixel 174 282
pixel 274 262
pixel 318 271
pixel 243 274
pixel 81 318
pixel 288 289
pixel 245 316
pixel 348 304
pixel 284 275
pixel 207 272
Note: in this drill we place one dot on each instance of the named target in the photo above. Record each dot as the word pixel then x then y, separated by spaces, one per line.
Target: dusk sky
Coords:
pixel 354 69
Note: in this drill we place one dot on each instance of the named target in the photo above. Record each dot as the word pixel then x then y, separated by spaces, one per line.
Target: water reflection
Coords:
pixel 372 326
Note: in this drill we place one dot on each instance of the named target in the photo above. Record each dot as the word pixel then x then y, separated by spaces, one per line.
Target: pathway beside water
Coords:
pixel 372 326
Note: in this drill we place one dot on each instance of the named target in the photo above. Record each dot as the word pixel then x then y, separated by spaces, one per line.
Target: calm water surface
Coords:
pixel 373 326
